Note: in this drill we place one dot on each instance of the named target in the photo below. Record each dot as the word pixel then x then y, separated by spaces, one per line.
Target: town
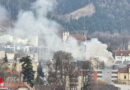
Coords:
pixel 62 71
pixel 64 45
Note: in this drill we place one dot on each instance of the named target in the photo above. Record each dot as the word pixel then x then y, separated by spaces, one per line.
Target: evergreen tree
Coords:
pixel 27 70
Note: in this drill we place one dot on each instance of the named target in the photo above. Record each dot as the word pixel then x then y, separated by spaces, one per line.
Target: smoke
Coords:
pixel 4 19
pixel 96 49
pixel 34 24
pixel 77 50
pixel 3 14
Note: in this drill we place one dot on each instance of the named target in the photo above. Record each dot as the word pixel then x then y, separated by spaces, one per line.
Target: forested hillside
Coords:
pixel 86 15
pixel 109 16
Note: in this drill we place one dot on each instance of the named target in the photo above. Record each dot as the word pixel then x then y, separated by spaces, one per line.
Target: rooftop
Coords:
pixel 122 52
pixel 79 37
pixel 125 69
pixel 15 85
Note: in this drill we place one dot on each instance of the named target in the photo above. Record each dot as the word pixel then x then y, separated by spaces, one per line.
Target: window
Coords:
pixel 99 71
pixel 99 76
pixel 114 72
pixel 124 77
pixel 114 76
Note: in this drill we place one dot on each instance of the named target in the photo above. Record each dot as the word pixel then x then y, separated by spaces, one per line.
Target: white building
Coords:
pixel 122 56
pixel 108 75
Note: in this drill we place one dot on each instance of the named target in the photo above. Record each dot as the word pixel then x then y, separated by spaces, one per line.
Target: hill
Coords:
pixel 86 15
pixel 108 15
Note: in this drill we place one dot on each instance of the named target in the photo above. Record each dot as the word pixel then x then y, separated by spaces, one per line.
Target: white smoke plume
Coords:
pixel 77 51
pixel 35 22
pixel 3 14
pixel 96 49
pixel 4 19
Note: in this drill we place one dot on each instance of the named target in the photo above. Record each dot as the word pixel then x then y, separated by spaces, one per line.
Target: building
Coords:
pixel 78 79
pixel 74 81
pixel 107 75
pixel 79 37
pixel 18 67
pixel 122 55
pixel 129 46
pixel 15 86
pixel 13 80
pixel 2 54
pixel 101 85
pixel 12 76
pixel 124 75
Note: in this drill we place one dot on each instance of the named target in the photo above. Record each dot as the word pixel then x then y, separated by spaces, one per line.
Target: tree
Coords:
pixel 5 58
pixel 39 81
pixel 27 70
pixel 40 72
pixel 62 64
pixel 15 62
pixel 87 74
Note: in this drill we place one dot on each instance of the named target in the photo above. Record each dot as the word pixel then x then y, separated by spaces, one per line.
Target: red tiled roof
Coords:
pixel 15 85
pixel 125 69
pixel 122 52
pixel 79 37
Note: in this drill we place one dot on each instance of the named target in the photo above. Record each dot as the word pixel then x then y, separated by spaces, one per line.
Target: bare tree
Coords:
pixel 62 65
pixel 87 74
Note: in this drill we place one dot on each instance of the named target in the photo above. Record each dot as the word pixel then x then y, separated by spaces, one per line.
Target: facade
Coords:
pixel 78 79
pixel 75 83
pixel 13 81
pixel 107 74
pixel 12 76
pixel 14 57
pixel 124 75
pixel 122 55
pixel 2 54
pixel 129 47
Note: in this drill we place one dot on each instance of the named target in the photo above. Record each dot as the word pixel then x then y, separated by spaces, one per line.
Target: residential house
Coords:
pixel 13 81
pixel 122 55
pixel 18 67
pixel 10 75
pixel 76 80
pixel 124 75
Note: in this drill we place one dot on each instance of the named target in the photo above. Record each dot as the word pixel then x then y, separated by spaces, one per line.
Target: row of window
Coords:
pixel 111 76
